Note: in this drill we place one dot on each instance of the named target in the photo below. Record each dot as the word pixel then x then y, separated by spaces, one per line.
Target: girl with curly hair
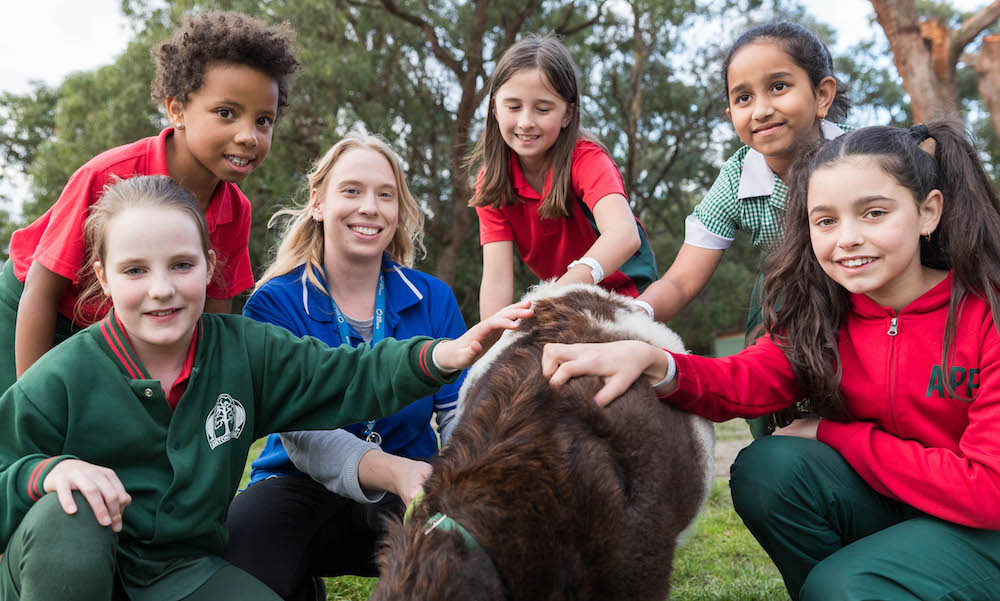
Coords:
pixel 223 80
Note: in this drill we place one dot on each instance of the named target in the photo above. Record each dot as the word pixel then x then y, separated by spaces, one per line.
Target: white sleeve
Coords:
pixel 696 234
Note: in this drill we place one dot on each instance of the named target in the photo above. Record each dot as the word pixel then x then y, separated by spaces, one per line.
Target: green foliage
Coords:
pixel 29 121
pixel 414 71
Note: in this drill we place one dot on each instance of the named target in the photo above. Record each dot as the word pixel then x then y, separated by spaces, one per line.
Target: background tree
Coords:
pixel 928 41
pixel 414 71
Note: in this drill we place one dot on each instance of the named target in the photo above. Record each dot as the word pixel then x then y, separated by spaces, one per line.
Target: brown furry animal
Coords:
pixel 547 495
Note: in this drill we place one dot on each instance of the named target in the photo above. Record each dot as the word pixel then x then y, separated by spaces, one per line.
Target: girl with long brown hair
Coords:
pixel 549 186
pixel 881 310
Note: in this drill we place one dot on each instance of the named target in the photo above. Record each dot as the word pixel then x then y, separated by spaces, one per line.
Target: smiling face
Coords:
pixel 156 278
pixel 865 229
pixel 358 206
pixel 773 104
pixel 530 116
pixel 227 123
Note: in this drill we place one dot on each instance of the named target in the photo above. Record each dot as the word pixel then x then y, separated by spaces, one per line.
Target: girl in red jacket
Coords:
pixel 881 310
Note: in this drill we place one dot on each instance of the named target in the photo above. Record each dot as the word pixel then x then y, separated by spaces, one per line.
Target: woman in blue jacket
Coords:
pixel 316 499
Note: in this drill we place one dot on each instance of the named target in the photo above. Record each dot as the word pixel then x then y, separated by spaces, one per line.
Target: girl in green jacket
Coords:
pixel 141 424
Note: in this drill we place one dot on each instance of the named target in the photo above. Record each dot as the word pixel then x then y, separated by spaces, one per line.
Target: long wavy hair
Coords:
pixel 491 154
pixel 803 309
pixel 302 240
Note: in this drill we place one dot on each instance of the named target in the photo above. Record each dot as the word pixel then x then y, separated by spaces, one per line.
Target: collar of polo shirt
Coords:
pixel 757 179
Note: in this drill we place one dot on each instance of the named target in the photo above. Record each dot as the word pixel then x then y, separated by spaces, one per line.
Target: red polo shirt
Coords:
pixel 547 246
pixel 56 238
pixel 118 338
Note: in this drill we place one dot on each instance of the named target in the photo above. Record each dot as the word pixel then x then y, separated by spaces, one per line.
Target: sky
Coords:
pixel 78 36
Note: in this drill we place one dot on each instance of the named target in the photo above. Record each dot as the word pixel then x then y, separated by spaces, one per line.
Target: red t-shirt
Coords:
pixel 547 246
pixel 56 238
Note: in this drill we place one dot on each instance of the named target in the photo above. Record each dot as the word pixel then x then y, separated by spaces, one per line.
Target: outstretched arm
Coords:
pixel 686 278
pixel 497 287
pixel 302 384
pixel 618 240
pixel 619 364
pixel 453 355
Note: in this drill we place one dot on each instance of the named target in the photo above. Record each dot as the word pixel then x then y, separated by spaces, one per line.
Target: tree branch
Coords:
pixel 439 51
pixel 511 30
pixel 564 30
pixel 971 28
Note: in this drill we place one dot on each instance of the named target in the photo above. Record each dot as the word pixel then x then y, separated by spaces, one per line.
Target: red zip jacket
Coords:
pixel 909 439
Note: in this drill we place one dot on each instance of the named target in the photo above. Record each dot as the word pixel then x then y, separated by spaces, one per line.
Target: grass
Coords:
pixel 721 561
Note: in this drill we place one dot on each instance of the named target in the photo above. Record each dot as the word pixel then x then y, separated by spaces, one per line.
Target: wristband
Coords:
pixel 596 271
pixel 671 371
pixel 645 307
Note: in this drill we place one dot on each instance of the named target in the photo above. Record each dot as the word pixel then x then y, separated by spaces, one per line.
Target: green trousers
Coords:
pixel 10 295
pixel 833 538
pixel 53 556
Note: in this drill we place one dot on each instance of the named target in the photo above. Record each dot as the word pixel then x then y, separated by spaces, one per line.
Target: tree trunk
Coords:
pixel 926 53
pixel 641 52
pixel 923 63
pixel 988 69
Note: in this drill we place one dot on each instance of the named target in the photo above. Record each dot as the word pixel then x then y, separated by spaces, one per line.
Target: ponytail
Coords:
pixel 803 308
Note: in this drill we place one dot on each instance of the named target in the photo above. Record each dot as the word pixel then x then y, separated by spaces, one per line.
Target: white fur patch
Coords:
pixel 477 370
pixel 628 325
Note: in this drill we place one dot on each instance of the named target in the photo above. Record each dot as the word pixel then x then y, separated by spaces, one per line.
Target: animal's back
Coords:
pixel 569 499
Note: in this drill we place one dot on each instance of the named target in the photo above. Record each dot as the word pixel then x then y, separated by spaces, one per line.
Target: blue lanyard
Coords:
pixel 378 333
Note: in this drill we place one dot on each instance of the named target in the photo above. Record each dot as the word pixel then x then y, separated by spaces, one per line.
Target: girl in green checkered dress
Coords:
pixel 780 90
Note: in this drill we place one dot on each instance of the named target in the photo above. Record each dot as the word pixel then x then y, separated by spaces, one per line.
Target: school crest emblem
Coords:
pixel 225 422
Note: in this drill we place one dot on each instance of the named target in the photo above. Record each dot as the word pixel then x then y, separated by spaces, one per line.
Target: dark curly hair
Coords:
pixel 223 37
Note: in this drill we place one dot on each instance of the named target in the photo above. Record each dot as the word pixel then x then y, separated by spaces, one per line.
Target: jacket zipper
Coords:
pixel 893 330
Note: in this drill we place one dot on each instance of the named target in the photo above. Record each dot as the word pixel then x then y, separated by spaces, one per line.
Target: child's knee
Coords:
pixel 833 580
pixel 761 469
pixel 67 540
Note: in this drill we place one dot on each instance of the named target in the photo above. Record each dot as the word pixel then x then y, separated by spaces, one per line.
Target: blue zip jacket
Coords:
pixel 417 304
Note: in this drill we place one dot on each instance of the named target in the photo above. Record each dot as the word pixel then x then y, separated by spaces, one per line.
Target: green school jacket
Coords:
pixel 89 398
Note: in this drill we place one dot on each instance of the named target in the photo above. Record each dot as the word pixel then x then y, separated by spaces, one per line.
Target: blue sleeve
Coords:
pixel 449 324
pixel 266 305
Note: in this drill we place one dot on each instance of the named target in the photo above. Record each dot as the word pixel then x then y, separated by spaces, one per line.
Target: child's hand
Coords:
pixel 619 364
pixel 409 479
pixel 805 427
pixel 100 485
pixel 453 355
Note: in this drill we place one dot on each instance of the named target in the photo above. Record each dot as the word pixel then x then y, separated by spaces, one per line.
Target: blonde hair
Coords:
pixel 302 240
pixel 143 191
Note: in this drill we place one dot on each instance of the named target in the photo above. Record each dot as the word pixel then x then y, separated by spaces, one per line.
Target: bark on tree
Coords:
pixel 641 50
pixel 927 52
pixel 988 69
